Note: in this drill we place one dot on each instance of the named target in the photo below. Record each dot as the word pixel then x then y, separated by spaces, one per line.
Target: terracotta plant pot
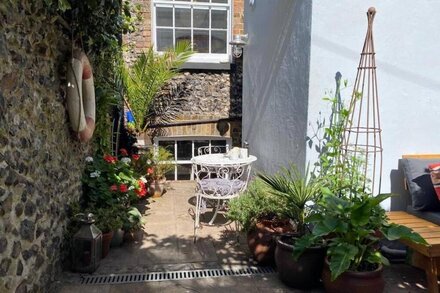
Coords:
pixel 157 188
pixel 261 239
pixel 303 273
pixel 349 282
pixel 106 240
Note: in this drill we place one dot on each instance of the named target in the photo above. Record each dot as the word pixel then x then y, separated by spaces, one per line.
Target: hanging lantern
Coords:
pixel 86 246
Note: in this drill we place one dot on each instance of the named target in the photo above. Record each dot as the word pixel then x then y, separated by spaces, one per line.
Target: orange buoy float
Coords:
pixel 81 96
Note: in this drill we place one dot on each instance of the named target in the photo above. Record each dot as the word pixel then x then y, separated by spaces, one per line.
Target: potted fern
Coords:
pixel 297 192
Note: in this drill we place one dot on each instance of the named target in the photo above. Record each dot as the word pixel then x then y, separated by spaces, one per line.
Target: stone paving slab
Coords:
pixel 167 245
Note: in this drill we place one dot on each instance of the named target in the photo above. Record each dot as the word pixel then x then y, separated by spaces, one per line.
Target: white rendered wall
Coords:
pixel 407 44
pixel 275 81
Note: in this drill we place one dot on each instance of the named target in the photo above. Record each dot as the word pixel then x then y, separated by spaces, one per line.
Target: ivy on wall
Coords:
pixel 97 27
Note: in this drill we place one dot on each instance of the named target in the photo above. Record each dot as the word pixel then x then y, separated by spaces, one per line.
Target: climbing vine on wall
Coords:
pixel 97 27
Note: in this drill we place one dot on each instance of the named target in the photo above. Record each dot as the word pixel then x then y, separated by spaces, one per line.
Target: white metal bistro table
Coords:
pixel 218 178
pixel 221 160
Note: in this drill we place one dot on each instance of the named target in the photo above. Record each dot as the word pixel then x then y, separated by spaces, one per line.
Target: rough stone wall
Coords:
pixel 40 163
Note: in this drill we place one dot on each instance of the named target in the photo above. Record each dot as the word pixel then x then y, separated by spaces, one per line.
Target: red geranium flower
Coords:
pixel 150 171
pixel 110 159
pixel 123 152
pixel 114 187
pixel 135 157
pixel 123 188
pixel 141 191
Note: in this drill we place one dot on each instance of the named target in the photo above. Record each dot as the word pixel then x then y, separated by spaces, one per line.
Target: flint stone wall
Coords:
pixel 40 162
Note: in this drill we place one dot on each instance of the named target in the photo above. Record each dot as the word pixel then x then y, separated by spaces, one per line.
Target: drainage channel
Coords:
pixel 174 275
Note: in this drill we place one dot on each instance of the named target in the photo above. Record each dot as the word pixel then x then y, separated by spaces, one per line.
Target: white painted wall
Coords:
pixel 407 44
pixel 275 81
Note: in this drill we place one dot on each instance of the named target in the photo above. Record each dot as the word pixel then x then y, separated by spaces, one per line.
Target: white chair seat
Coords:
pixel 220 188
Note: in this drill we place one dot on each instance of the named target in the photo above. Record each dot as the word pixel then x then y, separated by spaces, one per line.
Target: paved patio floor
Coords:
pixel 167 245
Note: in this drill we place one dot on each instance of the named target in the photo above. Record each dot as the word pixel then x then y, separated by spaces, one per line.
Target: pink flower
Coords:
pixel 114 187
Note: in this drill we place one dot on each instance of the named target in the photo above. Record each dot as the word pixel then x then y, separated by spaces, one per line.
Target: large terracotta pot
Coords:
pixel 106 240
pixel 303 273
pixel 350 282
pixel 261 239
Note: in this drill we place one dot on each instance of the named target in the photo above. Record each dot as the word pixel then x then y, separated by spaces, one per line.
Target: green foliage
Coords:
pixel 352 228
pixel 108 219
pixel 148 74
pixel 296 191
pixel 160 160
pixel 254 204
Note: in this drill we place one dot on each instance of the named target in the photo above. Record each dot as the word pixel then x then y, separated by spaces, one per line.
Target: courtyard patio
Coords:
pixel 167 245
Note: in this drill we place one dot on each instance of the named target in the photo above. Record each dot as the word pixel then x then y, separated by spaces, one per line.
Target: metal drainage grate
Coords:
pixel 174 275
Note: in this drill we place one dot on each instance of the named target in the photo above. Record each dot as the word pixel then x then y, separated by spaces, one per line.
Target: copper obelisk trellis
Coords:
pixel 362 141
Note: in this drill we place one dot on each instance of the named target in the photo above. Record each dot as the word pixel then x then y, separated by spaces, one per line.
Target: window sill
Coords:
pixel 207 65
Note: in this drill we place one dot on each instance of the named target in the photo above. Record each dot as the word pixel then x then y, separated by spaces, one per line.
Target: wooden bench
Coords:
pixel 424 257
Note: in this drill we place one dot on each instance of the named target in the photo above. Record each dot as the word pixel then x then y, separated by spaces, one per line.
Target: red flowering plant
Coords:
pixel 109 180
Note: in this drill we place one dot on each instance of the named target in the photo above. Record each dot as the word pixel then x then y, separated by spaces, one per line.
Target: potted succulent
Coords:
pixel 352 227
pixel 260 214
pixel 161 164
pixel 298 193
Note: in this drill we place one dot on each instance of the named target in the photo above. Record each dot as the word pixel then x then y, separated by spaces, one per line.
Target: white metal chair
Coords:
pixel 218 183
pixel 213 149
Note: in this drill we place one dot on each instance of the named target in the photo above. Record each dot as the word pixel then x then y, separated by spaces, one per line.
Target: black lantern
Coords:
pixel 86 246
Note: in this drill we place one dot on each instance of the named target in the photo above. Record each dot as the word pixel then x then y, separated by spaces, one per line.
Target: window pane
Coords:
pixel 201 41
pixel 219 19
pixel 184 150
pixel 201 0
pixel 219 1
pixel 164 39
pixel 164 16
pixel 169 145
pixel 183 17
pixel 201 18
pixel 184 172
pixel 170 175
pixel 218 42
pixel 218 142
pixel 183 35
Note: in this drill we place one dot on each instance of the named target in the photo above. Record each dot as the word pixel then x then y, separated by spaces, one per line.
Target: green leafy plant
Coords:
pixel 147 75
pixel 254 204
pixel 296 191
pixel 161 163
pixel 108 219
pixel 352 229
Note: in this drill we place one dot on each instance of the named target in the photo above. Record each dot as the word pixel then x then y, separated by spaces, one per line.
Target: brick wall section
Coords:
pixel 40 163
pixel 238 17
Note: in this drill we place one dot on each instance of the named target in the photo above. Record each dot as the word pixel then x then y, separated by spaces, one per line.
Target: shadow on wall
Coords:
pixel 402 199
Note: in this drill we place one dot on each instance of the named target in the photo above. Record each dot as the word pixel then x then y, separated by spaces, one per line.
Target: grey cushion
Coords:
pixel 433 217
pixel 221 186
pixel 420 186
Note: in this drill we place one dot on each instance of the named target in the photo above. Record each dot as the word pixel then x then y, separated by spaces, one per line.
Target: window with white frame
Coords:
pixel 184 148
pixel 205 23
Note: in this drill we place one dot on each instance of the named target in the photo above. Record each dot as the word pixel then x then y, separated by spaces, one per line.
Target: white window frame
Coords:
pixel 197 58
pixel 177 162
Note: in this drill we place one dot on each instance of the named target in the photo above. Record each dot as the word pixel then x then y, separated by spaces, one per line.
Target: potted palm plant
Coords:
pixel 161 164
pixel 261 215
pixel 297 192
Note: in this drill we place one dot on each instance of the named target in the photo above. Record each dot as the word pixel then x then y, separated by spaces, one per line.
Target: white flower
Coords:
pixel 126 160
pixel 131 187
pixel 148 162
pixel 89 159
pixel 143 179
pixel 95 174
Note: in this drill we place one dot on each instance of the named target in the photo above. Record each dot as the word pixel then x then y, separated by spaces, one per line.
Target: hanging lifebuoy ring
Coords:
pixel 81 96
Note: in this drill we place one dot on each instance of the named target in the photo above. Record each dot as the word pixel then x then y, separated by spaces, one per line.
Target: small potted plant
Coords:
pixel 260 215
pixel 107 223
pixel 161 164
pixel 298 193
